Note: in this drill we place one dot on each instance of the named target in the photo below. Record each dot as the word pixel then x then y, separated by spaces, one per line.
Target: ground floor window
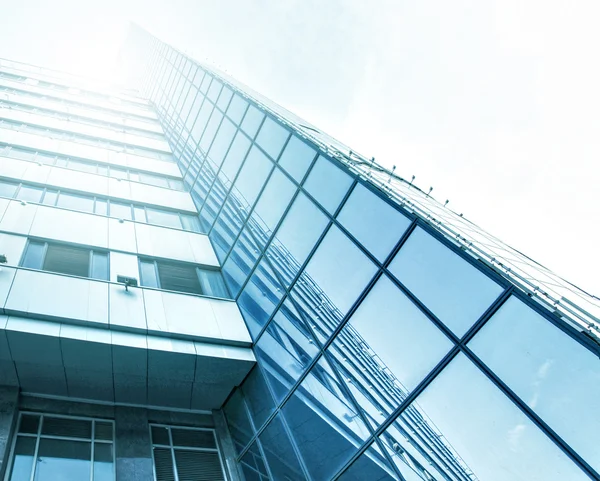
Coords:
pixel 185 454
pixel 51 448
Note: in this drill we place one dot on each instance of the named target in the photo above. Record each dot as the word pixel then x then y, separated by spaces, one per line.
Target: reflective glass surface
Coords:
pixel 372 466
pixel 548 370
pixel 296 158
pixel 58 458
pixel 238 420
pixel 285 349
pixel 483 431
pixel 338 271
pixel 252 121
pixel 271 205
pixel 327 183
pixel 455 291
pixel 279 452
pixel 323 423
pixel 237 108
pixel 272 137
pixel 374 223
pixel 297 235
pixel 260 297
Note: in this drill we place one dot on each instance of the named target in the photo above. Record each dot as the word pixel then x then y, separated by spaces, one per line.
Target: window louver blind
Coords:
pixel 198 466
pixel 193 438
pixel 67 260
pixel 163 464
pixel 176 277
pixel 72 428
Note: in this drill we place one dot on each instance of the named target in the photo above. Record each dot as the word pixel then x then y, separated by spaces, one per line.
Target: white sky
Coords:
pixel 496 104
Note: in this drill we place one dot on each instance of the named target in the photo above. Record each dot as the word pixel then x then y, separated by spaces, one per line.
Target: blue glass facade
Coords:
pixel 388 346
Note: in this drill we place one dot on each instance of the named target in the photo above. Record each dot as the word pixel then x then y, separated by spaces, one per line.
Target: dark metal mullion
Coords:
pixel 265 256
pixel 531 414
pixel 408 400
pixel 412 395
pixel 208 150
pixel 236 177
pixel 197 144
pixel 253 206
pixel 210 187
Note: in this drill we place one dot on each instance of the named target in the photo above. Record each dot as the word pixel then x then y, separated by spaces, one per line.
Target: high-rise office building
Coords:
pixel 202 286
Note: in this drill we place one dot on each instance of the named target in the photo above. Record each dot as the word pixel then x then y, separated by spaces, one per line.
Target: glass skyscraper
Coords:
pixel 203 286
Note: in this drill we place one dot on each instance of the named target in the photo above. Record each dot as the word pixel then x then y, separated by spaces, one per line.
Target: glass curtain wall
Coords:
pixel 385 351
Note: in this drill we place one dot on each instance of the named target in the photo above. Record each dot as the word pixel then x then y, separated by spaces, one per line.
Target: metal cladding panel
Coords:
pixel 70 226
pixel 58 296
pixel 97 364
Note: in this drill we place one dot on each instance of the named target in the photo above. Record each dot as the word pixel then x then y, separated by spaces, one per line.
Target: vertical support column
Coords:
pixel 9 400
pixel 226 446
pixel 133 445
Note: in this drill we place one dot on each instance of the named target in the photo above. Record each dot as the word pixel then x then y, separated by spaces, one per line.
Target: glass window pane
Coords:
pixel 164 218
pixel 252 177
pixel 210 131
pixel 34 255
pixel 23 459
pixel 190 223
pixel 221 142
pixel 214 90
pixel 325 426
pixel 272 204
pixel 201 121
pixel 237 108
pixel 285 349
pixel 260 297
pixel 337 273
pixel 7 189
pixel 224 98
pixel 548 370
pixel 455 291
pixel 76 202
pixel 463 423
pixel 139 214
pixel 152 179
pixel 296 158
pixel 297 235
pixel 120 211
pixel 58 458
pixel 401 345
pixel 327 183
pixel 234 158
pixel 103 462
pixel 252 121
pixel 238 420
pixel 272 137
pixel 212 284
pixel 372 221
pixel 258 397
pixel 253 464
pixel 30 194
pixel 29 423
pixel 101 207
pixel 280 455
pixel 99 266
pixel 50 197
pixel 371 465
pixel 148 277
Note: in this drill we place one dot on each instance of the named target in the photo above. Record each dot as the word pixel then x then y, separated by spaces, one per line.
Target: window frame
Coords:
pixel 172 447
pixel 46 244
pixel 38 436
pixel 197 267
